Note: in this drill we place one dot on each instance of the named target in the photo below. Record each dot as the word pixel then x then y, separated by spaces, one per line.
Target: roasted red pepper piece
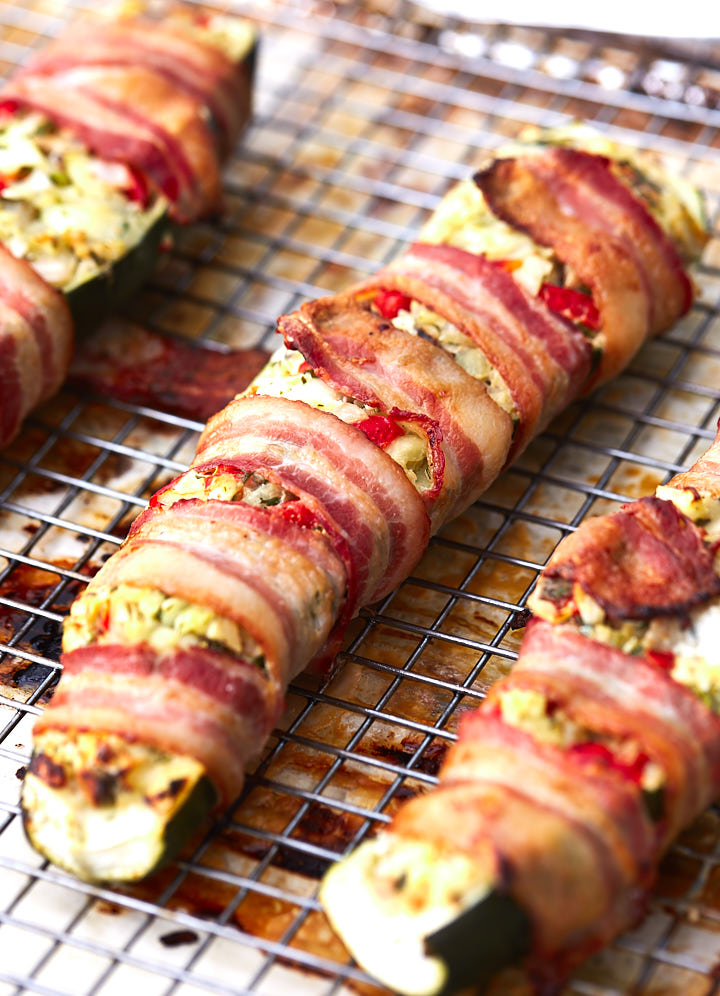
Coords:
pixel 295 511
pixel 171 188
pixel 664 659
pixel 390 302
pixel 572 304
pixel 380 429
pixel 137 188
pixel 8 108
pixel 598 753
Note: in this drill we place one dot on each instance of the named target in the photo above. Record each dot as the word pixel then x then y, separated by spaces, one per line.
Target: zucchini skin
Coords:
pixel 493 934
pixel 101 295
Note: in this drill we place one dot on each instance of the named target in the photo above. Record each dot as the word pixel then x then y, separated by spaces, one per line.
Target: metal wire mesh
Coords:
pixel 363 119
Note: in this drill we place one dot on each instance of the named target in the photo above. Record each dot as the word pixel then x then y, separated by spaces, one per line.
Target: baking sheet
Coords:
pixel 364 117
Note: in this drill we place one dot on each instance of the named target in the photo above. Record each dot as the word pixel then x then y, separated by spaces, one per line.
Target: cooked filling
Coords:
pixel 68 213
pixel 674 203
pixel 224 484
pixel 690 649
pixel 287 375
pixel 704 510
pixel 463 219
pixel 529 710
pixel 421 321
pixel 126 614
pixel 232 35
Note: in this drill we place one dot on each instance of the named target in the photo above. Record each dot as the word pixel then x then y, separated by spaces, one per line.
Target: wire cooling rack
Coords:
pixel 363 118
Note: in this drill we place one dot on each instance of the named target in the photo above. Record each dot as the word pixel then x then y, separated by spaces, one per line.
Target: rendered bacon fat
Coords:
pixel 388 409
pixel 110 129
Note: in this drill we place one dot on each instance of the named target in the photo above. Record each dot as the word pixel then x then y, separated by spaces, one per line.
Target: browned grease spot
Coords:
pixel 177 937
pixel 32 586
pixel 678 872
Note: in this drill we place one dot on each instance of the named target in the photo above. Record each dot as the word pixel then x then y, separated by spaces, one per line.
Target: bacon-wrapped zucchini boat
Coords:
pixel 112 132
pixel 388 409
pixel 569 783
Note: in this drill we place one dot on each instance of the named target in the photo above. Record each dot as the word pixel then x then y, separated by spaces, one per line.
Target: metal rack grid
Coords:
pixel 363 119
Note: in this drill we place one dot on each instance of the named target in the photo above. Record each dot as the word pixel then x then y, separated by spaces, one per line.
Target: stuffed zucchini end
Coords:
pixel 108 810
pixel 423 919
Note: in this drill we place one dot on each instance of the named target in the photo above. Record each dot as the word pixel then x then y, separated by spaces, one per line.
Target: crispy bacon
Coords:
pixel 126 361
pixel 543 358
pixel 302 510
pixel 595 802
pixel 570 200
pixel 592 833
pixel 366 358
pixel 363 491
pixel 648 559
pixel 229 680
pixel 108 694
pixel 609 692
pixel 562 874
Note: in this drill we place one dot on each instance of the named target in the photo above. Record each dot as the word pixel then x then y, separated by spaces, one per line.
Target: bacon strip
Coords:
pixel 36 340
pixel 170 49
pixel 543 358
pixel 109 694
pixel 307 512
pixel 136 116
pixel 561 874
pixel 362 490
pixel 595 804
pixel 366 358
pixel 567 822
pixel 260 570
pixel 631 698
pixel 648 559
pixel 571 201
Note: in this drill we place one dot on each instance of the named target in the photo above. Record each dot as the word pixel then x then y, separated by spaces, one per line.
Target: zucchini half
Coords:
pixel 108 810
pixel 425 921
